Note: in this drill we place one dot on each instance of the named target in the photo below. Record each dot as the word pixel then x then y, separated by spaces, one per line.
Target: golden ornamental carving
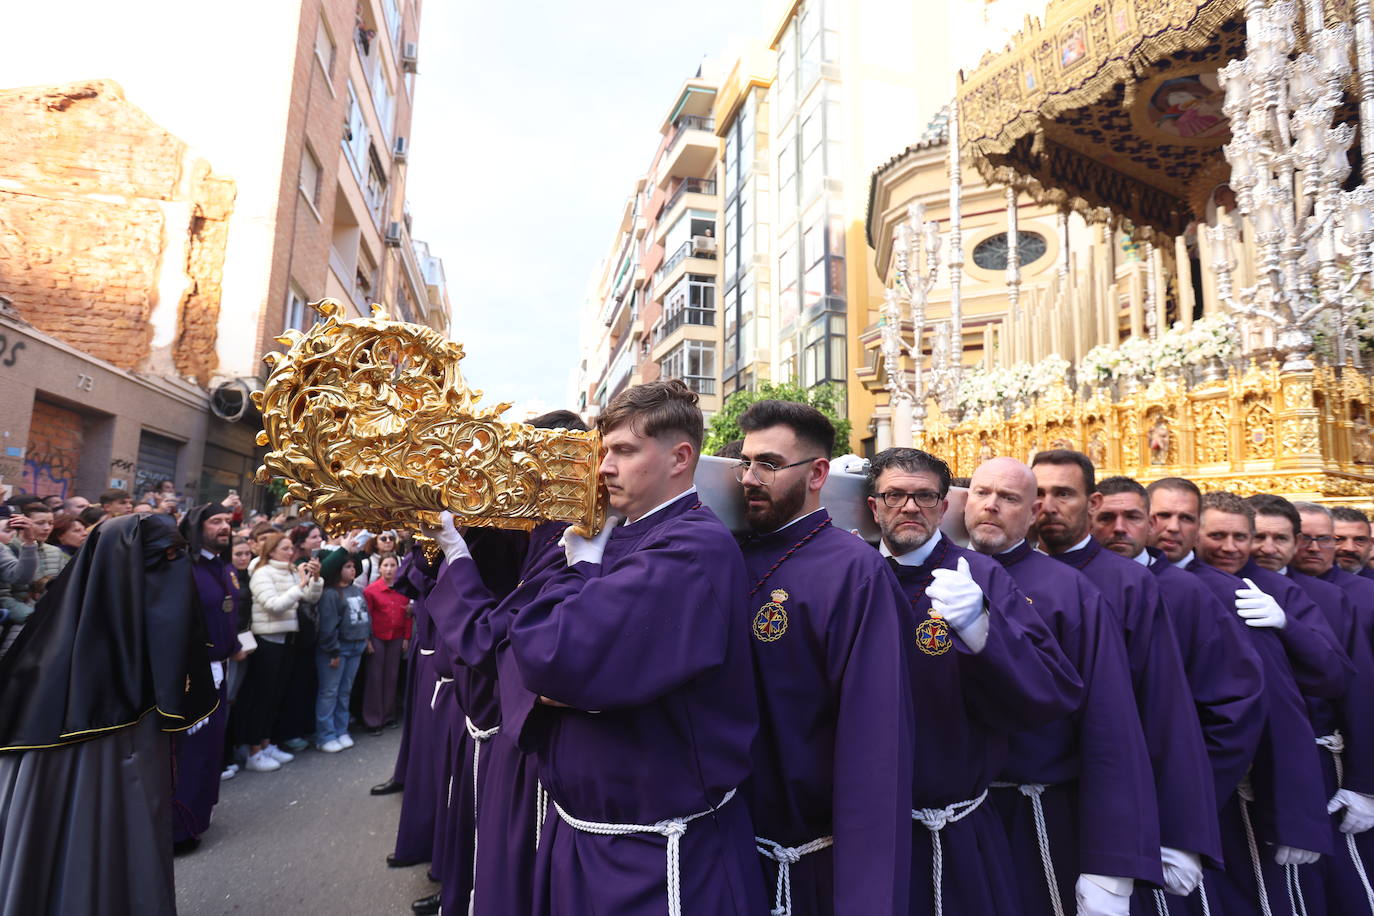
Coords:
pixel 369 423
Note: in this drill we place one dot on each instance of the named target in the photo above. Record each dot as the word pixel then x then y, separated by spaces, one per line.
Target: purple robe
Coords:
pixel 967 705
pixel 1099 801
pixel 1322 668
pixel 1178 755
pixel 649 650
pixel 833 755
pixel 1285 778
pixel 198 758
pixel 1365 572
pixel 423 740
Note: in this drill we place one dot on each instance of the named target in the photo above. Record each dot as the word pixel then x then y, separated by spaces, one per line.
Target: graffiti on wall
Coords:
pixel 53 456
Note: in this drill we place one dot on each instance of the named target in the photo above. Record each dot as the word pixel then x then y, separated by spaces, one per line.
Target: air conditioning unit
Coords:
pixel 704 245
pixel 393 234
pixel 401 150
pixel 409 57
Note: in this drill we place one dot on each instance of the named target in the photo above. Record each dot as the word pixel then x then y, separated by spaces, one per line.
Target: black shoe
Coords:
pixel 389 787
pixel 375 732
pixel 393 862
pixel 426 905
pixel 186 846
pixel 394 723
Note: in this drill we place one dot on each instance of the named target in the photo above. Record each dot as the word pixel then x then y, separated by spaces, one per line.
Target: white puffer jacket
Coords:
pixel 276 592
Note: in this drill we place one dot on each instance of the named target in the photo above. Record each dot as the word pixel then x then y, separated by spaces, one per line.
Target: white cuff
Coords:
pixel 975 635
pixel 1113 884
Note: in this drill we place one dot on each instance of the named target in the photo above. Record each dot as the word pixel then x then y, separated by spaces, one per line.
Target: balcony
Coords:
pixel 701 246
pixel 692 149
pixel 692 316
pixel 688 186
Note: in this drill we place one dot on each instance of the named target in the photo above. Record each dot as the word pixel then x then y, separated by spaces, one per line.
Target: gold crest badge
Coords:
pixel 932 636
pixel 770 623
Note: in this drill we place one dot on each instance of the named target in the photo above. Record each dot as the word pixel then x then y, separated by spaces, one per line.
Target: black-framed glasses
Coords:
pixel 764 472
pixel 896 499
pixel 1322 540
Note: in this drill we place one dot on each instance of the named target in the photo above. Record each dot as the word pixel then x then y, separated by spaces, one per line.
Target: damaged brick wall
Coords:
pixel 84 180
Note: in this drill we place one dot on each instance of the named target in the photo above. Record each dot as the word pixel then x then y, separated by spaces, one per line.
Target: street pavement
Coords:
pixel 305 839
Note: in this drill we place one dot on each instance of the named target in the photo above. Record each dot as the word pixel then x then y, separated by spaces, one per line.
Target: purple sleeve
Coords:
pixel 603 638
pixel 873 749
pixel 1021 679
pixel 1357 707
pixel 460 607
pixel 1320 666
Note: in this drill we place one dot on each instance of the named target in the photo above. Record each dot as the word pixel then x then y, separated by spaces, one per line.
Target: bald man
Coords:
pixel 1077 795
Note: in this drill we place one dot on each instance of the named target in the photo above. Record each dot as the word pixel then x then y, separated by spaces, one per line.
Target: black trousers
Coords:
pixel 269 672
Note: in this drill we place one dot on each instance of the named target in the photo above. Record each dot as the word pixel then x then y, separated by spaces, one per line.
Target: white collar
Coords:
pixel 1012 547
pixel 1283 572
pixel 915 557
pixel 1143 558
pixel 208 554
pixel 1183 563
pixel 661 506
pixel 1081 544
pixel 797 519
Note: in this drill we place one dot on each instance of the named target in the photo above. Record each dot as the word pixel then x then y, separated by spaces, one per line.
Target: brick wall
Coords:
pixel 53 457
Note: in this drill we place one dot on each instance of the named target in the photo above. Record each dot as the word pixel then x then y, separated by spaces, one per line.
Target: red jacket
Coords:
pixel 388 609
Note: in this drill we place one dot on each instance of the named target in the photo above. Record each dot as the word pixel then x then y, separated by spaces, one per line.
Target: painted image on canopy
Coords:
pixel 1188 107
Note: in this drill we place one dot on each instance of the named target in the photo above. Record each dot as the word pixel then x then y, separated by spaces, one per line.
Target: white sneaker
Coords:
pixel 345 740
pixel 332 746
pixel 278 754
pixel 229 772
pixel 261 763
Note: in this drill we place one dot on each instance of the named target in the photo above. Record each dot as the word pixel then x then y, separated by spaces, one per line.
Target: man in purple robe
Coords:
pixel 1076 795
pixel 832 761
pixel 1344 727
pixel 629 677
pixel 1183 785
pixel 1280 815
pixel 982 666
pixel 1353 541
pixel 198 753
pixel 1224 672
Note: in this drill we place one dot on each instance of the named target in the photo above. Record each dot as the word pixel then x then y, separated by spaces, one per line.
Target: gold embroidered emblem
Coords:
pixel 771 620
pixel 932 636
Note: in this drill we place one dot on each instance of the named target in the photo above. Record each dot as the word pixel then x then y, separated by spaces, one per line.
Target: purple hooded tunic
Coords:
pixel 967 705
pixel 649 652
pixel 1099 798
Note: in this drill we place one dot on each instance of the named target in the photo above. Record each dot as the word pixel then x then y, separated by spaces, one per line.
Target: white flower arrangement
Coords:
pixel 980 388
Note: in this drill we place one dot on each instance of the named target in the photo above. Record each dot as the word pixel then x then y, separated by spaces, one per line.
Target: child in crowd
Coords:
pixel 390 612
pixel 344 628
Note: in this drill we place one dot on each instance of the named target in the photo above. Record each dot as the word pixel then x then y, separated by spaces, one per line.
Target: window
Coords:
pixel 324 47
pixel 993 253
pixel 392 10
pixel 355 138
pixel 310 176
pixel 384 100
pixel 787 172
pixel 691 301
pixel 366 277
pixel 823 352
pixel 295 310
pixel 376 183
pixel 695 363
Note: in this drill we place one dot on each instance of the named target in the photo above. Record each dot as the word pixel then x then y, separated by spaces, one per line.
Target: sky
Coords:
pixel 531 124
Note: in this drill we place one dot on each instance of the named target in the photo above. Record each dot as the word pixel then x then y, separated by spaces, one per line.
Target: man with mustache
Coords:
pixel 1284 804
pixel 1224 672
pixel 832 762
pixel 1065 483
pixel 1077 798
pixel 1344 727
pixel 1353 541
pixel 982 665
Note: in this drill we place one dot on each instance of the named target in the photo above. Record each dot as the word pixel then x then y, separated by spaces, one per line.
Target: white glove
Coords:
pixel 1182 870
pixel 1359 810
pixel 217 673
pixel 849 464
pixel 958 599
pixel 1291 855
pixel 587 550
pixel 1257 608
pixel 448 538
pixel 1098 895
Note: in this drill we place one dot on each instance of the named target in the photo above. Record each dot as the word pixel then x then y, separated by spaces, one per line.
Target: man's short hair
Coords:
pixel 911 460
pixel 1348 514
pixel 1226 501
pixel 961 482
pixel 35 507
pixel 1178 485
pixel 1114 486
pixel 92 514
pixel 22 502
pixel 559 419
pixel 260 529
pixel 656 409
pixel 808 423
pixel 69 504
pixel 1271 506
pixel 1305 508
pixel 1064 456
pixel 732 449
pixel 113 495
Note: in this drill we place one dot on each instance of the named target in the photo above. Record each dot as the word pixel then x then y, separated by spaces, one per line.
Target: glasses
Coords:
pixel 386 537
pixel 1322 540
pixel 896 499
pixel 764 472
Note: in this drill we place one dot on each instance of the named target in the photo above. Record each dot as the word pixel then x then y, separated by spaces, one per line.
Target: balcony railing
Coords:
pixel 698 316
pixel 690 186
pixel 700 246
pixel 700 384
pixel 689 122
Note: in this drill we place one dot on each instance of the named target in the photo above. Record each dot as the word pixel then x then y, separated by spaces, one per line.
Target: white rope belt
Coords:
pixel 1162 902
pixel 1033 791
pixel 1335 744
pixel 428 651
pixel 440 682
pixel 1246 794
pixel 671 829
pixel 479 737
pixel 541 811
pixel 786 857
pixel 935 820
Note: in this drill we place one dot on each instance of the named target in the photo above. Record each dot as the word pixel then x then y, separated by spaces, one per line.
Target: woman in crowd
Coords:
pixel 297 722
pixel 240 555
pixel 343 635
pixel 369 560
pixel 390 612
pixel 279 588
pixel 68 534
